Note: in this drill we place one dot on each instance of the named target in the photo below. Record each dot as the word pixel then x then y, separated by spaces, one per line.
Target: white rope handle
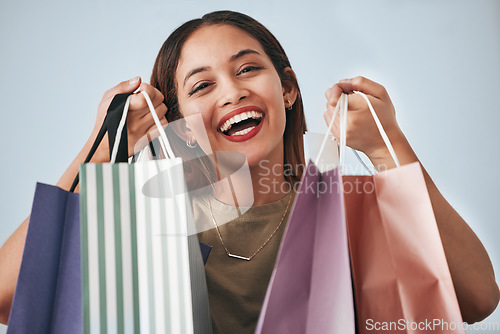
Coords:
pixel 381 130
pixel 342 108
pixel 164 143
pixel 325 138
pixel 343 128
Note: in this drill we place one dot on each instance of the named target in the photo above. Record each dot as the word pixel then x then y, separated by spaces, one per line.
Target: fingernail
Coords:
pixel 133 81
pixel 345 81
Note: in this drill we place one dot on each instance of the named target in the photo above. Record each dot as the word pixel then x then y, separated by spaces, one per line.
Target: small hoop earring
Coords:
pixel 191 143
pixel 287 102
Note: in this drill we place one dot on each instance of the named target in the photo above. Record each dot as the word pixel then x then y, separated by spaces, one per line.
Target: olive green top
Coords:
pixel 237 287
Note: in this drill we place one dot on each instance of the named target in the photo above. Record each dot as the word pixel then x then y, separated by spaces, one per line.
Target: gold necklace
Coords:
pixel 258 250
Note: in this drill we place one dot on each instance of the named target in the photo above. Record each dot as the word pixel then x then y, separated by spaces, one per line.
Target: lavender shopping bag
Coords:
pixel 310 290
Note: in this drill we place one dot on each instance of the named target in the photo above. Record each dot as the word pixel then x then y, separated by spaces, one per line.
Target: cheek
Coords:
pixel 197 111
pixel 272 90
pixel 199 122
pixel 197 126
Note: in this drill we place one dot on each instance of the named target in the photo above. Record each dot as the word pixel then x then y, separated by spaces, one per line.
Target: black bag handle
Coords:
pixel 110 125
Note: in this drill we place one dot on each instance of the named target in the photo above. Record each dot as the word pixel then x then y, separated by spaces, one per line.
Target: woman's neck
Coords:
pixel 266 179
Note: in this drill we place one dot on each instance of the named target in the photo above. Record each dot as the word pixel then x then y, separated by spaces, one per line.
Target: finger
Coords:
pixel 364 85
pixel 332 95
pixel 154 94
pixel 147 135
pixel 152 131
pixel 127 86
pixel 335 128
pixel 357 102
pixel 138 101
pixel 161 111
pixel 143 119
pixel 164 122
pixel 138 105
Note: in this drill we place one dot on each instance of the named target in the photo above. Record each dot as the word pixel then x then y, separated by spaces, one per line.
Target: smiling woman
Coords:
pixel 227 64
pixel 230 70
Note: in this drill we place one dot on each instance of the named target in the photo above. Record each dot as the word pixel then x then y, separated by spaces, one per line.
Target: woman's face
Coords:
pixel 225 75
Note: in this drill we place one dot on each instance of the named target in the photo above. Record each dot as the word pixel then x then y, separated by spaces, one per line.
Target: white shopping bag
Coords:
pixel 141 263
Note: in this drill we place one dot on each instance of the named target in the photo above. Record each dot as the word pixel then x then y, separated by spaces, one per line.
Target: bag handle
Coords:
pixel 380 129
pixel 115 125
pixel 342 107
pixel 164 143
pixel 328 131
pixel 109 125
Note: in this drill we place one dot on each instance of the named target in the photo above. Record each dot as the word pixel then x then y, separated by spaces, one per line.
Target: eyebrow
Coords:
pixel 232 58
pixel 195 71
pixel 243 53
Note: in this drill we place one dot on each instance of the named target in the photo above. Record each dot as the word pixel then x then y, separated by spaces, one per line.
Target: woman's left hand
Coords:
pixel 362 132
pixel 468 261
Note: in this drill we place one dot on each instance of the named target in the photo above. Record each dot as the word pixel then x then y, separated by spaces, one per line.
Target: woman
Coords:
pixel 221 67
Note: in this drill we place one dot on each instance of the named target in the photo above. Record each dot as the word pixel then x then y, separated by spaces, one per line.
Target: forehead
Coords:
pixel 215 44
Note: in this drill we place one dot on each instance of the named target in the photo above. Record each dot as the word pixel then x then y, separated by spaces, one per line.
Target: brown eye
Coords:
pixel 250 69
pixel 199 87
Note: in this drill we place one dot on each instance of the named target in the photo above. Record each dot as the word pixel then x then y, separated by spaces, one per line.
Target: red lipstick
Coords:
pixel 246 136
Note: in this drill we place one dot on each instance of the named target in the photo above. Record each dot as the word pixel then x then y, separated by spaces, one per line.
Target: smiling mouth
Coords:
pixel 242 123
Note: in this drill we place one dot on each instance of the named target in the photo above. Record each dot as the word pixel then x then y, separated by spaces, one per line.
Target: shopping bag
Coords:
pixel 48 291
pixel 142 270
pixel 310 290
pixel 401 277
pixel 47 297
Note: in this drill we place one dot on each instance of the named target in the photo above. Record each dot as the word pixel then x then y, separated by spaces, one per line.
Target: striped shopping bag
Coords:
pixel 142 270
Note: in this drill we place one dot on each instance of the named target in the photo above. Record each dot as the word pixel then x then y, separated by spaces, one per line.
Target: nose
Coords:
pixel 232 91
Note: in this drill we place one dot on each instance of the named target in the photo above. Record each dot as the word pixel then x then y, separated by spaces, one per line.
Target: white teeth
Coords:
pixel 243 132
pixel 238 118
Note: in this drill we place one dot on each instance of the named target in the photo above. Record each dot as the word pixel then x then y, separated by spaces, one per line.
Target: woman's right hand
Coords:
pixel 139 123
pixel 139 119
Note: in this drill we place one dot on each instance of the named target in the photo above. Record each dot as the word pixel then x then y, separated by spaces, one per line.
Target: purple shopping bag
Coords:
pixel 48 296
pixel 48 291
pixel 310 290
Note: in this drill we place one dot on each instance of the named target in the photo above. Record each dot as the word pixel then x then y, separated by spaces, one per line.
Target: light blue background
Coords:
pixel 439 60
